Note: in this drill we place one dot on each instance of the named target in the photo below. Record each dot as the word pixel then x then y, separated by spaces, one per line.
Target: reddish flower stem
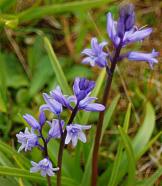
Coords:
pixel 110 73
pixel 62 144
pixel 46 156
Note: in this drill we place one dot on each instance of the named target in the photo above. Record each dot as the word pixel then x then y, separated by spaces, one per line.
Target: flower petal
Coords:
pixel 94 107
pixel 138 35
pixel 68 138
pixel 82 137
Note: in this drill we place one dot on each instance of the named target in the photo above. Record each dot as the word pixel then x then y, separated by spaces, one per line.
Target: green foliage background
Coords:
pixel 40 45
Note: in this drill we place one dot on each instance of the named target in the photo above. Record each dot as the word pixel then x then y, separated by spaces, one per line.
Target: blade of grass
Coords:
pixel 145 131
pixel 130 157
pixel 119 156
pixel 109 114
pixel 141 142
pixel 57 67
pixel 4 160
pixel 15 172
pixel 20 159
pixel 39 12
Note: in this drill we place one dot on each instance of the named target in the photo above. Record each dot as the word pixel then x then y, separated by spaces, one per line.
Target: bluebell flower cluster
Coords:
pixel 55 101
pixel 121 33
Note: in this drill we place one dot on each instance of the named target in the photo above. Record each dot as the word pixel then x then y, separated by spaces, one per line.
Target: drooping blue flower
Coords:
pixel 148 57
pixel 32 121
pixel 44 167
pixel 65 100
pixel 55 130
pixel 135 35
pixel 82 87
pixel 75 133
pixel 42 118
pixel 88 105
pixel 27 139
pixel 124 31
pixel 112 30
pixel 51 105
pixel 96 55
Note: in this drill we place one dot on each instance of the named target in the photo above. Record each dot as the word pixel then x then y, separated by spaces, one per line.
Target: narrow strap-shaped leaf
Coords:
pixel 119 155
pixel 16 172
pixel 130 157
pixel 127 118
pixel 109 114
pixel 139 143
pixel 146 129
pixel 57 67
pixel 4 160
pixel 39 12
pixel 20 159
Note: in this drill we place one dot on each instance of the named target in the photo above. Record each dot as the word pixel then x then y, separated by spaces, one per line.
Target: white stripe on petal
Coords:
pixel 82 137
pixel 68 138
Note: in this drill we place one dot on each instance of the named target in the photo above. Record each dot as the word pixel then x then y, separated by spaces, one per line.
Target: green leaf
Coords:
pixel 4 160
pixel 139 142
pixel 6 4
pixel 78 71
pixel 15 172
pixel 3 104
pixel 119 155
pixel 42 75
pixel 130 157
pixel 3 86
pixel 109 114
pixel 19 158
pixel 87 172
pixel 38 12
pixel 127 119
pixel 144 133
pixel 8 181
pixel 12 68
pixel 56 67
